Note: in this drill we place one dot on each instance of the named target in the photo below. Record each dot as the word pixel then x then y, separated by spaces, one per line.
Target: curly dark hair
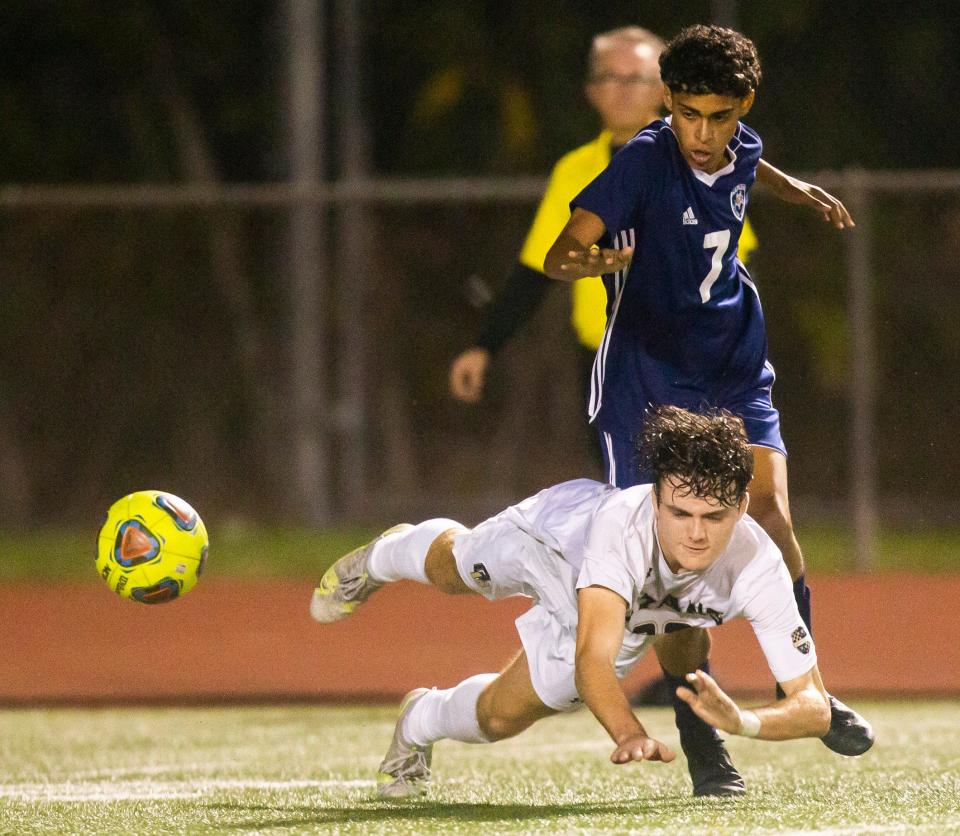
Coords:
pixel 707 455
pixel 710 59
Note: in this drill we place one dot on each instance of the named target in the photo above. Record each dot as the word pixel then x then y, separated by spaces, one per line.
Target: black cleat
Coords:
pixel 849 733
pixel 712 771
pixel 709 764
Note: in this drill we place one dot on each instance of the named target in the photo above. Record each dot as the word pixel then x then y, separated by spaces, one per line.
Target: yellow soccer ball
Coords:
pixel 152 547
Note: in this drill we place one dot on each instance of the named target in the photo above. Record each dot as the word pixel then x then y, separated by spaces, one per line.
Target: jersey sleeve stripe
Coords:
pixel 608 441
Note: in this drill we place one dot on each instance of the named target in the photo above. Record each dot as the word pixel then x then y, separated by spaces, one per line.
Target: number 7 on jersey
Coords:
pixel 718 242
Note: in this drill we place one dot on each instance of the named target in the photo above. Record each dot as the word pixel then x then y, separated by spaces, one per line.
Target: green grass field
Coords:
pixel 246 551
pixel 310 770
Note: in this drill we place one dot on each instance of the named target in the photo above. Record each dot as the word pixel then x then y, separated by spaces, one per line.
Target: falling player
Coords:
pixel 611 572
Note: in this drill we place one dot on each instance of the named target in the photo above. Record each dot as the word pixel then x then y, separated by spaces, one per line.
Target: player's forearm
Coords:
pixel 786 188
pixel 773 179
pixel 791 190
pixel 600 690
pixel 804 713
pixel 518 300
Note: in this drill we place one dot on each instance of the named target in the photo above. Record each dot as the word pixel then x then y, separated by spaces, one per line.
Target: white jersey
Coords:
pixel 608 537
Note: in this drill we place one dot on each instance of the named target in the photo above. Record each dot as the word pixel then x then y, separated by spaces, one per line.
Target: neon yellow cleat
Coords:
pixel 405 771
pixel 347 584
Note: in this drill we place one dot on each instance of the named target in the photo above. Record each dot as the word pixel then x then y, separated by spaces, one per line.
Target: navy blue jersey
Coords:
pixel 684 324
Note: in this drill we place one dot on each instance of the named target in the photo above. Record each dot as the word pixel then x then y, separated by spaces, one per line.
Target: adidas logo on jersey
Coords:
pixel 689 219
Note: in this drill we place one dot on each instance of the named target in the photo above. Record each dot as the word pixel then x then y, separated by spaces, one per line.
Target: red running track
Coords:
pixel 241 641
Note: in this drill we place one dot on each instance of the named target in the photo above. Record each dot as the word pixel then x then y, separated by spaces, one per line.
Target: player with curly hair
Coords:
pixel 685 326
pixel 611 573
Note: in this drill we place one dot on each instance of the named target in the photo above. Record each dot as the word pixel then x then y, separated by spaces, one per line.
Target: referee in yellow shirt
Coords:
pixel 624 88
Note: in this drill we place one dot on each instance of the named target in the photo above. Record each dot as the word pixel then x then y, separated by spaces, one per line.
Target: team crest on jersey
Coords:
pixel 800 640
pixel 738 200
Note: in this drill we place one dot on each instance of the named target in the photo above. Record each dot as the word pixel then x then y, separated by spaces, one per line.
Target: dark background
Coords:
pixel 450 87
pixel 125 349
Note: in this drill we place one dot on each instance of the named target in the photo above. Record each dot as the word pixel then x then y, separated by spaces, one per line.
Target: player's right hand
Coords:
pixel 639 747
pixel 468 372
pixel 710 703
pixel 595 262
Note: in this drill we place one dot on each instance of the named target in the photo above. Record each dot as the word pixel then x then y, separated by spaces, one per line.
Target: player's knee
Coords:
pixel 496 725
pixel 495 728
pixel 683 651
pixel 498 716
pixel 698 645
pixel 441 565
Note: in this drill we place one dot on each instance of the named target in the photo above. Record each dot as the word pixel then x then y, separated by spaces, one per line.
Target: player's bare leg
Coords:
pixel 481 709
pixel 509 704
pixel 440 565
pixel 849 733
pixel 711 770
pixel 770 506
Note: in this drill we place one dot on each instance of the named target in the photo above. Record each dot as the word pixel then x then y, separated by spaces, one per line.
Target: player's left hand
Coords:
pixel 580 264
pixel 710 703
pixel 639 747
pixel 829 208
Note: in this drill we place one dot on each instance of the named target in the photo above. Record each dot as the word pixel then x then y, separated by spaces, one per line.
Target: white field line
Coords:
pixel 147 790
pixel 121 772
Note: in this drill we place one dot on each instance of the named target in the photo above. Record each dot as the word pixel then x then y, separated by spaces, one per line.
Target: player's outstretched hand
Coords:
pixel 595 262
pixel 826 205
pixel 830 208
pixel 710 703
pixel 797 191
pixel 642 748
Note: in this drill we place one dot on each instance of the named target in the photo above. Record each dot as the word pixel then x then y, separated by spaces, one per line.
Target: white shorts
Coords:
pixel 499 560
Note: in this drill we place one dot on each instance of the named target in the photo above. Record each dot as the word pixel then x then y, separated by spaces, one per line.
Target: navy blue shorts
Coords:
pixel 760 419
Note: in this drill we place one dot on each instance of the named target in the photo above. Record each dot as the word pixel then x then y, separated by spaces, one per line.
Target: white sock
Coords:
pixel 450 714
pixel 404 555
